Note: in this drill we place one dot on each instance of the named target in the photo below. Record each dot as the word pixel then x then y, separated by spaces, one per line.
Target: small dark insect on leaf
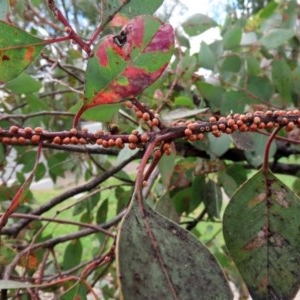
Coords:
pixel 120 39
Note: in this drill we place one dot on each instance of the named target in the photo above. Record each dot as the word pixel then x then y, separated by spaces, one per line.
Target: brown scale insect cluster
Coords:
pixel 242 122
pixel 148 116
pixel 191 130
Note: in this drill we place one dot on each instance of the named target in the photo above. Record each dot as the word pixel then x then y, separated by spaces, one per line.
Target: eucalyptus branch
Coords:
pixel 58 240
pixel 15 229
pixel 59 221
pixel 191 130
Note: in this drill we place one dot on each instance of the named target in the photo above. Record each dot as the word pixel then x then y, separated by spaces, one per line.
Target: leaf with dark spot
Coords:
pixel 18 49
pixel 180 267
pixel 124 65
pixel 261 231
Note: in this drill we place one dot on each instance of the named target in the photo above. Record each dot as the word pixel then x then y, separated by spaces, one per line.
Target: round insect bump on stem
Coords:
pixel 73 131
pixel 212 119
pixel 38 130
pixel 217 133
pixel 35 139
pixel 6 141
pixel 74 140
pixel 188 132
pixel 68 29
pixel 146 116
pixel 155 122
pixel 139 114
pixel 222 127
pixel 290 126
pixel 105 144
pixel 21 140
pixel 111 142
pixel 230 123
pixel 82 141
pixel 119 143
pixel 128 104
pixel 253 127
pixel 200 136
pixel 57 140
pixel 192 138
pixel 99 142
pixel 256 120
pixel 132 138
pixel 13 129
pixel 144 138
pixel 28 130
pixel 157 154
pixel 192 126
pixel 66 141
pixel 132 146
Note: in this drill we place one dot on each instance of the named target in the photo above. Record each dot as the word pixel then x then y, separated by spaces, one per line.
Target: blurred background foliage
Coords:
pixel 249 62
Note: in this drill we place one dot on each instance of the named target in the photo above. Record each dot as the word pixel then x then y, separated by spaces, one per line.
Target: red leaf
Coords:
pixel 124 65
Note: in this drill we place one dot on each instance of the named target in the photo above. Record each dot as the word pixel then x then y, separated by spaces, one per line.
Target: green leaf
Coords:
pixel 206 57
pixel 103 113
pixel 231 63
pixel 232 38
pixel 197 192
pixel 128 9
pixel 261 231
pixel 72 255
pixel 166 167
pixel 218 146
pixel 276 37
pixel 228 183
pixel 35 103
pixel 268 10
pixel 213 94
pixel 166 207
pixel 122 197
pixel 187 66
pixel 212 198
pixel 18 52
pixel 102 212
pixel 282 78
pixel 261 87
pixel 40 171
pixel 183 40
pixel 235 101
pixel 178 262
pixel 23 84
pixel 7 254
pixel 183 200
pixel 12 284
pixel 183 101
pixel 255 156
pixel 197 24
pixel 76 291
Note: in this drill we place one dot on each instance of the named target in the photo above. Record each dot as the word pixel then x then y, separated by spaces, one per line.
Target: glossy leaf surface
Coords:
pixel 261 231
pixel 190 268
pixel 124 65
pixel 18 52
